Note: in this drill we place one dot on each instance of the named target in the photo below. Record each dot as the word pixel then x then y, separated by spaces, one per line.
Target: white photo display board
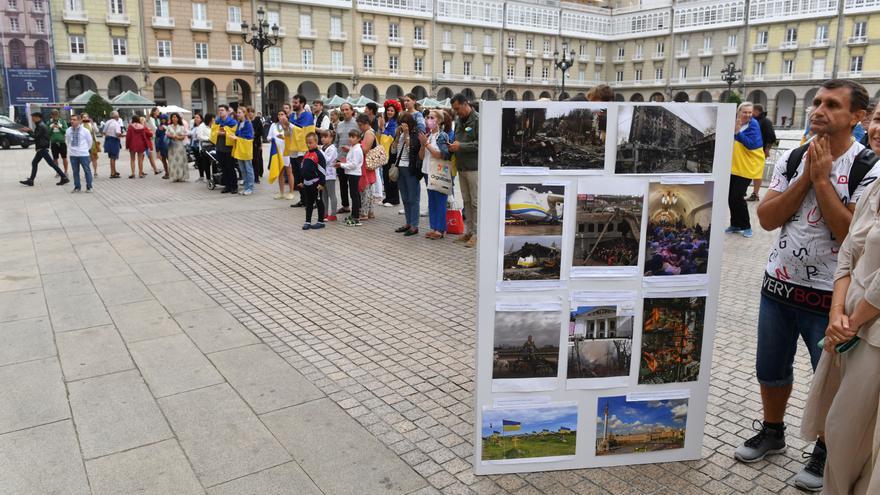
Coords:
pixel 600 235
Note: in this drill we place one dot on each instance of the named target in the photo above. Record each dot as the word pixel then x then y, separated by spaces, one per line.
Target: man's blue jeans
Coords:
pixel 779 326
pixel 83 161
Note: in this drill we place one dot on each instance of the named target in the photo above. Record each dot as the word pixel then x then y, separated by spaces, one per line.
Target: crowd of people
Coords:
pixel 333 162
pixel 676 249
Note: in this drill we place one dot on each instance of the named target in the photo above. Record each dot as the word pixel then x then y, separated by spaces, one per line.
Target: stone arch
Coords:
pixel 681 97
pixel 420 92
pixel 510 95
pixel 725 95
pixel 528 96
pixel 619 97
pixel 469 94
pixel 489 95
pixel 704 97
pixel 393 92
pixel 17 54
pixel 808 98
pixel 166 91
pixel 203 93
pixel 545 95
pixel 444 93
pixel 658 97
pixel 238 92
pixel 78 84
pixel 636 97
pixel 337 89
pixel 277 95
pixel 759 97
pixel 120 84
pixel 370 91
pixel 309 90
pixel 564 96
pixel 582 96
pixel 41 54
pixel 785 103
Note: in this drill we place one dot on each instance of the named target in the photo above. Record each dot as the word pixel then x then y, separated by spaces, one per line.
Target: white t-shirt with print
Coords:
pixel 805 253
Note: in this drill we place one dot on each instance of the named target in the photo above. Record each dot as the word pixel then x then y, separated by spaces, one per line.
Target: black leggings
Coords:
pixel 43 154
pixel 342 179
pixel 392 195
pixel 311 198
pixel 227 165
pixel 355 196
pixel 204 163
pixel 736 201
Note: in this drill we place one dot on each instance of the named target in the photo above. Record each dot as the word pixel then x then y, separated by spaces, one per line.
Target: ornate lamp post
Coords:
pixel 730 75
pixel 563 64
pixel 260 40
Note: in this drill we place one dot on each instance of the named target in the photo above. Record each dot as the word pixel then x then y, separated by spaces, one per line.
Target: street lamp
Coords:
pixel 563 64
pixel 260 40
pixel 730 75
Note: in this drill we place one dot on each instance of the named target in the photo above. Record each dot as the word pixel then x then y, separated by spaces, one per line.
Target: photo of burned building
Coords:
pixel 556 138
pixel 607 230
pixel 662 140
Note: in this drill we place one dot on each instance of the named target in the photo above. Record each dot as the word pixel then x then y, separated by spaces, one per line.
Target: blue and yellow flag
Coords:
pixel 511 425
pixel 276 152
pixel 303 124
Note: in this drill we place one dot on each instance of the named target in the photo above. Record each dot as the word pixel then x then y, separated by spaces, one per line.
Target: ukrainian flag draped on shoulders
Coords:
pixel 303 124
pixel 244 141
pixel 278 139
pixel 748 151
pixel 228 124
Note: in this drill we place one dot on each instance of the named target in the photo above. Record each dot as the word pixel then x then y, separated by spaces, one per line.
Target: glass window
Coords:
pixel 201 51
pixel 236 53
pixel 761 38
pixel 40 25
pixel 860 29
pixel 368 28
pixel 308 58
pixel 336 58
pixel 528 72
pixel 707 42
pixel 855 64
pixel 117 6
pixel 788 66
pixel 394 30
pixel 682 72
pixel 305 23
pixel 447 36
pixel 419 65
pixel 661 47
pixel 447 66
pixel 200 11
pixel 394 63
pixel 545 73
pixel 731 40
pixel 336 25
pixel 791 34
pixel 707 71
pixel 368 62
pixel 658 73
pixel 822 32
pixel 163 48
pixel 511 42
pixel 620 51
pixel 234 14
pixel 819 68
pixel 119 46
pixel 638 74
pixel 419 33
pixel 78 44
pixel 683 45
pixel 547 46
pixel 487 40
pixel 13 23
pixel 467 68
pixel 619 76
pixel 469 38
pixel 274 56
pixel 759 68
pixel 12 4
pixel 161 8
pixel 530 44
pixel 487 69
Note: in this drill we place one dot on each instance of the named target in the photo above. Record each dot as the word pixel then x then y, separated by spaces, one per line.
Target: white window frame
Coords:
pixel 161 7
pixel 200 11
pixel 447 67
pixel 201 50
pixel 707 71
pixel 658 73
pixel 119 46
pixel 307 58
pixel 77 44
pixel 369 62
pixel 419 33
pixel 305 23
pixel 511 71
pixel 760 67
pixel 335 25
pixel 791 34
pixel 233 14
pixel 337 59
pixel 788 66
pixel 275 56
pixel 860 29
pixel 116 7
pixel 394 64
pixel 637 74
pixel 367 28
pixel 619 76
pixel 418 65
pixel 487 69
pixel 857 64
pixel 236 52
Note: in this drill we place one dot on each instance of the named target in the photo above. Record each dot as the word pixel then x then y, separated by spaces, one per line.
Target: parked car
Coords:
pixel 14 134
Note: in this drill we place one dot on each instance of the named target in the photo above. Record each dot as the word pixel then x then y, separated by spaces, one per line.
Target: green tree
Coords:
pixel 98 108
pixel 733 97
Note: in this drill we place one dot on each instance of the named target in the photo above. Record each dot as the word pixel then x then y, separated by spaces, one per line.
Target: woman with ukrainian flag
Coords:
pixel 223 137
pixel 280 142
pixel 243 150
pixel 748 164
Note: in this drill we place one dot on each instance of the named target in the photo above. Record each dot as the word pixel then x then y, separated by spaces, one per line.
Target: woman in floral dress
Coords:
pixel 176 134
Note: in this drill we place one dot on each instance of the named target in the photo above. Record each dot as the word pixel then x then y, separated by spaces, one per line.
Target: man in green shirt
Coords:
pixel 465 148
pixel 57 130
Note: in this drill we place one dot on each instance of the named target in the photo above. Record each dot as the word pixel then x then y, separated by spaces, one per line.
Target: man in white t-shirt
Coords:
pixel 813 207
pixel 79 143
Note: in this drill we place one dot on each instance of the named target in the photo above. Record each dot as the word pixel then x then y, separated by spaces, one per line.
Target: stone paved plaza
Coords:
pixel 163 338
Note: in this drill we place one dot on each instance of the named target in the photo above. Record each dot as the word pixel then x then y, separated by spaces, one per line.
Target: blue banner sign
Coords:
pixel 30 86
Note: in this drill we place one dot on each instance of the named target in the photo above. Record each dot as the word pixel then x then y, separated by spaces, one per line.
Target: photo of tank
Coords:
pixel 559 137
pixel 665 140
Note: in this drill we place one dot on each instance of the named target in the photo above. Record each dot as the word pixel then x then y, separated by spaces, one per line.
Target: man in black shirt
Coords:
pixel 768 135
pixel 41 143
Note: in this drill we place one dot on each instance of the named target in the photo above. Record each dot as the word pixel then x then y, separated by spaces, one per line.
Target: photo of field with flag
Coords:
pixel 529 432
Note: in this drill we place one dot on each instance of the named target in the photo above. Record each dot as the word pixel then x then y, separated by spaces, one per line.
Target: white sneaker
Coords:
pixel 278 196
pixel 387 205
pixel 401 212
pixel 289 196
pixel 247 193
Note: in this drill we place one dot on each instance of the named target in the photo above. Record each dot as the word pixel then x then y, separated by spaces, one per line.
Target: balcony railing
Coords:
pixel 583 58
pixel 308 34
pixel 512 52
pixel 468 48
pixel 619 59
pixel 395 41
pixel 858 73
pixel 75 16
pixel 638 57
pixel 530 53
pixel 730 50
pixel 704 52
pixel 600 59
pixel 488 50
pixel 337 36
pixel 201 25
pixel 683 54
pixel 118 19
pixel 820 43
pixel 659 56
pixel 233 27
pixel 857 40
pixel 760 47
pixel 448 47
pixel 547 55
pixel 317 68
pixel 201 62
pixel 420 43
pixel 92 58
pixel 795 76
pixel 856 6
pixel 788 45
pixel 160 22
pixel 369 39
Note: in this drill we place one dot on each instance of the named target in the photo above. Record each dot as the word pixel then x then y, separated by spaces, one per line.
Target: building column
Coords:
pixel 186 98
pixel 797 115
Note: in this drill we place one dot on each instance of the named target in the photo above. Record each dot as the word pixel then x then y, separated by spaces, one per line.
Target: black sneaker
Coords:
pixel 810 478
pixel 64 180
pixel 27 182
pixel 768 441
pixel 298 205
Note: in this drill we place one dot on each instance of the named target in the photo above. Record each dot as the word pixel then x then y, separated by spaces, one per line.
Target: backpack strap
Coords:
pixel 794 161
pixel 863 163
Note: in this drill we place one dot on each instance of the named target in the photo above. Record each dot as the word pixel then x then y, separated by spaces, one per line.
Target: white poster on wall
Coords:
pixel 599 272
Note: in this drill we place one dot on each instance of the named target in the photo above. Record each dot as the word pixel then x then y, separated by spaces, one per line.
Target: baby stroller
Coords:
pixel 209 155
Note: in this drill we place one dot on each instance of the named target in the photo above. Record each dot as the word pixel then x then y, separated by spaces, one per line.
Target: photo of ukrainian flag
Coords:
pixel 547 431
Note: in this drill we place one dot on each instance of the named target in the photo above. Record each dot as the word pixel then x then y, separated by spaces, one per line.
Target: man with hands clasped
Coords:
pixel 811 200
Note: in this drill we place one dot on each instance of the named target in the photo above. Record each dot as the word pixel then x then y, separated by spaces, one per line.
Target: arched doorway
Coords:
pixel 444 93
pixel 704 97
pixel 528 96
pixel 469 94
pixel 420 92
pixel 238 92
pixel 637 97
pixel 581 96
pixel 725 96
pixel 370 91
pixel 808 99
pixel 120 84
pixel 41 54
pixel 166 91
pixel 618 97
pixel 309 90
pixel 510 95
pixel 79 84
pixel 681 97
pixel 393 92
pixel 563 96
pixel 204 95
pixel 277 95
pixel 17 54
pixel 785 101
pixel 759 97
pixel 545 95
pixel 488 95
pixel 658 97
pixel 337 89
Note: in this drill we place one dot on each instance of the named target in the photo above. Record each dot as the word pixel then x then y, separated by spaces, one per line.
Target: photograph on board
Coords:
pixel 532 257
pixel 526 344
pixel 632 427
pixel 533 209
pixel 607 230
pixel 669 139
pixel 672 339
pixel 559 137
pixel 679 224
pixel 529 432
pixel 599 342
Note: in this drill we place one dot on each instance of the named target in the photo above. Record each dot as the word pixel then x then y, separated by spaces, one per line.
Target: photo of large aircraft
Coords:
pixel 528 205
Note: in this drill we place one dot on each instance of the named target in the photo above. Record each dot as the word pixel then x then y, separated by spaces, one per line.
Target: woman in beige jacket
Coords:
pixel 843 400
